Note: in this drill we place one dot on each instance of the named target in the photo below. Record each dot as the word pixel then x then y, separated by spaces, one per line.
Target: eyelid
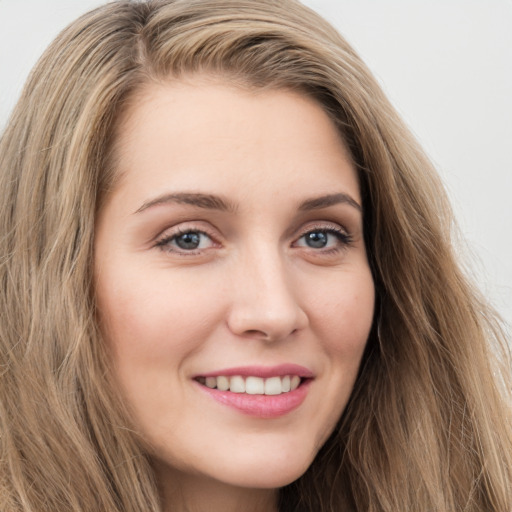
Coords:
pixel 344 236
pixel 163 240
pixel 322 226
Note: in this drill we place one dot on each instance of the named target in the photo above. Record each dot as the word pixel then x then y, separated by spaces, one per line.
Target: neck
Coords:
pixel 192 493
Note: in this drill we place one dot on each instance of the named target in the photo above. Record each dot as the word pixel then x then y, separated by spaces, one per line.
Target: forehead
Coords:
pixel 202 130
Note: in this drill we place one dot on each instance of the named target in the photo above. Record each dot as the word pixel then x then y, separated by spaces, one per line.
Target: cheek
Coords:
pixel 344 313
pixel 341 316
pixel 153 329
pixel 151 320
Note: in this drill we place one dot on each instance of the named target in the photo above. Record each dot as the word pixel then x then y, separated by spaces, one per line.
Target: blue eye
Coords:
pixel 188 241
pixel 324 239
pixel 185 241
pixel 316 239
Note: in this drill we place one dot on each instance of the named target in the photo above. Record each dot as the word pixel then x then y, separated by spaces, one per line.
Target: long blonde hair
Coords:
pixel 428 426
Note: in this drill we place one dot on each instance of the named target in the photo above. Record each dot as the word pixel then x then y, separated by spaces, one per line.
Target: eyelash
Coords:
pixel 165 242
pixel 344 238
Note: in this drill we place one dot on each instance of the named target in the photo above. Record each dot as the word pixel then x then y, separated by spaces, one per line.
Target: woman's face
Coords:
pixel 230 257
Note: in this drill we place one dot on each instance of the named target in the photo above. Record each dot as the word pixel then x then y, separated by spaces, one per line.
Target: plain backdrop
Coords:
pixel 445 64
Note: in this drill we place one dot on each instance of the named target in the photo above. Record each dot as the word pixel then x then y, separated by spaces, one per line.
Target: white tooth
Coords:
pixel 237 384
pixel 273 386
pixel 254 386
pixel 211 382
pixel 285 384
pixel 294 383
pixel 222 383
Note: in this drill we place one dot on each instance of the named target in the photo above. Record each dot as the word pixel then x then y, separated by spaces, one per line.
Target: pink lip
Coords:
pixel 261 406
pixel 263 371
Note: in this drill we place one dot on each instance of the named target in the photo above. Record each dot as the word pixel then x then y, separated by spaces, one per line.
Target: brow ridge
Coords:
pixel 206 201
pixel 327 200
pixel 214 202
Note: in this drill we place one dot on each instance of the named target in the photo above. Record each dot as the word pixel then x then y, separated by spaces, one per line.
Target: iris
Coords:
pixel 188 240
pixel 316 239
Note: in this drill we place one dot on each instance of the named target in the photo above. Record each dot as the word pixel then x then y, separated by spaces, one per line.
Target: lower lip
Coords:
pixel 261 406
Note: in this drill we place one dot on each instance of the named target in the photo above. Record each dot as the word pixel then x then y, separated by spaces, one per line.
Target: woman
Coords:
pixel 228 280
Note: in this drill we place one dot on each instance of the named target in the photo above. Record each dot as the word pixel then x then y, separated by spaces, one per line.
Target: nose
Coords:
pixel 265 304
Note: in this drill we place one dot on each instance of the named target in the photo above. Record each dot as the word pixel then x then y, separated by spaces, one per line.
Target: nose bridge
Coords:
pixel 265 303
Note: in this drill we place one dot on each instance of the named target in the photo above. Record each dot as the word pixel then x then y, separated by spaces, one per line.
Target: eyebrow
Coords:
pixel 206 201
pixel 213 202
pixel 320 202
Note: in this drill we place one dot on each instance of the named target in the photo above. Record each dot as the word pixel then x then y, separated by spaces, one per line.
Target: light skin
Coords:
pixel 234 237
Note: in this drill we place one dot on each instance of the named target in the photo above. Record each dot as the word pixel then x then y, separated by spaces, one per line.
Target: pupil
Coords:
pixel 317 239
pixel 188 241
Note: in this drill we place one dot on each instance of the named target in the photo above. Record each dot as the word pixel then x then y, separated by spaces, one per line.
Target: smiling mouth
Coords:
pixel 252 385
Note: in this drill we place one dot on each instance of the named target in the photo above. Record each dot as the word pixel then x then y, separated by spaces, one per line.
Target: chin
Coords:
pixel 274 472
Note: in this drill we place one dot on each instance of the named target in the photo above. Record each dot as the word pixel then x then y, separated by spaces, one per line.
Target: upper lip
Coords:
pixel 262 371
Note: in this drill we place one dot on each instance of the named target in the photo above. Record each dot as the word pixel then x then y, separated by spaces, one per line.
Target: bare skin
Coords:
pixel 232 246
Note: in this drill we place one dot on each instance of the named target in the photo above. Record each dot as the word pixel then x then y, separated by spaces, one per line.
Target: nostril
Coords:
pixel 255 333
pixel 259 334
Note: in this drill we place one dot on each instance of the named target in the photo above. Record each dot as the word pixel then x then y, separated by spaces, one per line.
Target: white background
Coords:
pixel 445 64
